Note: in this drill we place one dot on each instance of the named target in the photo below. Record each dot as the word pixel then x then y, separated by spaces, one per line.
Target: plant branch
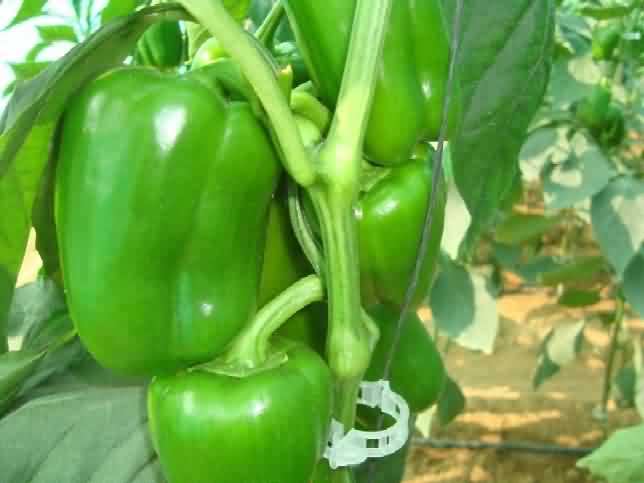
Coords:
pixel 242 48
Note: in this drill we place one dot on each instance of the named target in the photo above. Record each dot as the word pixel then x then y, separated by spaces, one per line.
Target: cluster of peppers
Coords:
pixel 178 251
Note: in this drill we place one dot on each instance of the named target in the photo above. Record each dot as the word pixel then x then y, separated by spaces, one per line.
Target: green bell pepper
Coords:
pixel 160 46
pixel 161 229
pixel 412 76
pixel 591 111
pixel 270 426
pixel 417 372
pixel 391 217
pixel 605 40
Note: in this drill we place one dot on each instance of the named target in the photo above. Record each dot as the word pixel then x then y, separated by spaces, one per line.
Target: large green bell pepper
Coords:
pixel 161 229
pixel 391 217
pixel 268 427
pixel 412 75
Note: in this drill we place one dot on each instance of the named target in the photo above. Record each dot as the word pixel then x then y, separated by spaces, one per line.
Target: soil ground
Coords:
pixel 501 404
pixel 503 407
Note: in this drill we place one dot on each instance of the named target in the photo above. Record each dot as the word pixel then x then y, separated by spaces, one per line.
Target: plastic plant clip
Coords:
pixel 356 446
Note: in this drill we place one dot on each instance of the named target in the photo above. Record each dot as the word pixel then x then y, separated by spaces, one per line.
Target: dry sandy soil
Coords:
pixel 503 407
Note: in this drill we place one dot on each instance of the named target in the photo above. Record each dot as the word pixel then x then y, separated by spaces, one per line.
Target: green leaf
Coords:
pixel 520 228
pixel 45 224
pixel 573 297
pixel 34 303
pixel 633 282
pixel 624 387
pixel 605 13
pixel 504 61
pixel 15 368
pixel 532 270
pixel 57 33
pixel 559 348
pixel 576 179
pixel 91 436
pixel 578 270
pixel 620 459
pixel 32 55
pixel 28 9
pixel 27 70
pixel 118 8
pixel 464 308
pixel 28 123
pixel 451 402
pixel 573 79
pixel 617 221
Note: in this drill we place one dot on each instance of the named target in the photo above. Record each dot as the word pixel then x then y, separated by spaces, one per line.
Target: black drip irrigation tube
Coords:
pixel 522 446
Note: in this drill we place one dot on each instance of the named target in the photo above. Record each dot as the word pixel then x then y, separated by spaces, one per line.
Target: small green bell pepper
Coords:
pixel 270 426
pixel 161 229
pixel 417 372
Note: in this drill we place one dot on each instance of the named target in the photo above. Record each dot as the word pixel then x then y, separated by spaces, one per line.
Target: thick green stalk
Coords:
pixel 251 347
pixel 614 342
pixel 266 30
pixel 241 47
pixel 349 341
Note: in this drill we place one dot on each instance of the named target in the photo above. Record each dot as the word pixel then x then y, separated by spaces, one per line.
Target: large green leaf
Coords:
pixel 576 179
pixel 28 123
pixel 559 348
pixel 33 303
pixel 98 435
pixel 620 459
pixel 617 221
pixel 605 13
pixel 464 308
pixel 55 33
pixel 504 63
pixel 519 228
pixel 118 8
pixel 451 403
pixel 633 283
pixel 28 9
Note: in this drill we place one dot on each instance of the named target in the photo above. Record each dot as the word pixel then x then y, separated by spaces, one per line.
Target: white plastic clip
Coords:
pixel 356 446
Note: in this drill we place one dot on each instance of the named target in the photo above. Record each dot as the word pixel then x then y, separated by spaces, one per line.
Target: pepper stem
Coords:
pixel 266 30
pixel 251 348
pixel 213 15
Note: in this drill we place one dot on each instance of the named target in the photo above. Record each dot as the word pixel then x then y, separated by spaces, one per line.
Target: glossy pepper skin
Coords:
pixel 417 372
pixel 268 427
pixel 160 228
pixel 161 46
pixel 412 75
pixel 391 217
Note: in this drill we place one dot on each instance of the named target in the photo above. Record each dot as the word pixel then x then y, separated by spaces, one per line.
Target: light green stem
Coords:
pixel 251 347
pixel 212 15
pixel 349 342
pixel 267 29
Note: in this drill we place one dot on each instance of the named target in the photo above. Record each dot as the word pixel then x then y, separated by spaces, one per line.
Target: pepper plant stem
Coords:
pixel 251 347
pixel 614 342
pixel 212 15
pixel 349 342
pixel 267 29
